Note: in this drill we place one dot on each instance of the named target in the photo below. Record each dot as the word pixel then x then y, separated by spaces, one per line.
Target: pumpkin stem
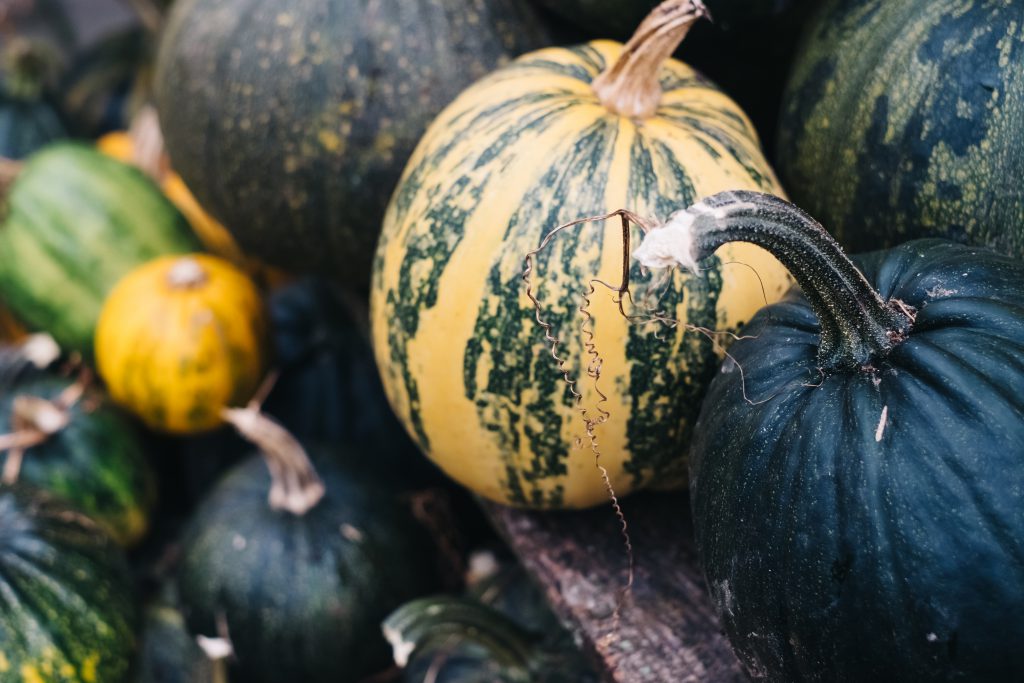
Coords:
pixel 34 420
pixel 148 152
pixel 295 485
pixel 187 273
pixel 631 86
pixel 857 325
pixel 439 624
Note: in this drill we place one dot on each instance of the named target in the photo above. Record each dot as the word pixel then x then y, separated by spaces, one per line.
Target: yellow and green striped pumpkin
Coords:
pixel 181 338
pixel 466 367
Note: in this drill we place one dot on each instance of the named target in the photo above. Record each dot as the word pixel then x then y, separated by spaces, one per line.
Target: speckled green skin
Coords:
pixel 868 524
pixel 903 119
pixel 303 596
pixel 67 614
pixel 97 462
pixel 75 222
pixel 291 124
pixel 619 18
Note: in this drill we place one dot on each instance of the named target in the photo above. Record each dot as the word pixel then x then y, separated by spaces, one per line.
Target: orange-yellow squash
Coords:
pixel 179 339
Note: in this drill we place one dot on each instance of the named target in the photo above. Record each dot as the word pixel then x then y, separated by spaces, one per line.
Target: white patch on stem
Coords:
pixel 670 244
pixel 880 430
pixel 215 649
pixel 401 649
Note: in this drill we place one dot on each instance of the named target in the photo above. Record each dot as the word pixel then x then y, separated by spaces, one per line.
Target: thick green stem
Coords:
pixel 632 85
pixel 857 326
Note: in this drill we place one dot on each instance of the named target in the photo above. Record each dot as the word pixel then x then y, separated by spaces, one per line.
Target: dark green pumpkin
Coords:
pixel 329 389
pixel 303 596
pixel 858 490
pixel 97 462
pixel 75 221
pixel 502 631
pixel 903 118
pixel 292 124
pixel 66 607
pixel 28 120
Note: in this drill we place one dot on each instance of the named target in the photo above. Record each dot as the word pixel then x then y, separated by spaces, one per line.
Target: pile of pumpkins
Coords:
pixel 317 231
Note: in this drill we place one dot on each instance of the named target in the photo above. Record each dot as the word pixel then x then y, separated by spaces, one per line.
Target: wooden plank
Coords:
pixel 668 631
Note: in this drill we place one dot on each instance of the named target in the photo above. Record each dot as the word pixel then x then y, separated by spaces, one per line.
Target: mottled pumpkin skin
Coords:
pixel 176 356
pixel 292 123
pixel 465 364
pixel 97 463
pixel 303 596
pixel 869 525
pixel 74 223
pixel 903 119
pixel 67 613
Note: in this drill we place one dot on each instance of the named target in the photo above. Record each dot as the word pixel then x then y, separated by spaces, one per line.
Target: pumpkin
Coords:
pixel 179 339
pixel 502 630
pixel 857 489
pixel 168 652
pixel 558 134
pixel 914 110
pixel 328 389
pixel 76 222
pixel 302 581
pixel 292 125
pixel 66 610
pixel 79 448
pixel 28 120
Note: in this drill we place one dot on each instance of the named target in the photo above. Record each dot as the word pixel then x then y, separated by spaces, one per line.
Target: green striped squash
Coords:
pixel 97 462
pixel 903 119
pixel 75 222
pixel 66 608
pixel 529 147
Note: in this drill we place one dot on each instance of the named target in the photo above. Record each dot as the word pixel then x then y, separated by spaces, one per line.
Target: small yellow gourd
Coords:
pixel 181 338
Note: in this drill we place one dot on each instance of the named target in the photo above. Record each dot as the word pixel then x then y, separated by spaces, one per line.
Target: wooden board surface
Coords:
pixel 668 632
